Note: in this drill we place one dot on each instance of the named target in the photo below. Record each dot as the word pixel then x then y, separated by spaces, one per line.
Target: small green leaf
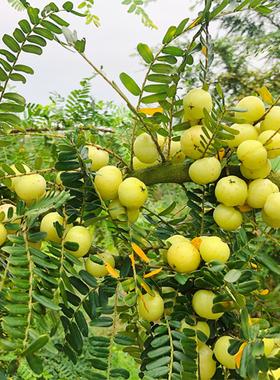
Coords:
pixel 9 118
pixel 10 57
pixel 17 77
pixel 130 84
pixel 171 32
pixel 11 43
pixel 80 45
pixel 33 49
pixel 3 75
pixel 233 275
pixel 24 69
pixel 59 20
pixel 51 27
pixel 154 98
pixel 68 6
pixel 145 52
pixel 19 36
pixel 25 26
pixel 45 302
pixel 35 363
pixel 43 32
pixel 37 40
pixel 37 344
pixel 33 14
pixel 15 97
pixel 162 68
pixel 173 50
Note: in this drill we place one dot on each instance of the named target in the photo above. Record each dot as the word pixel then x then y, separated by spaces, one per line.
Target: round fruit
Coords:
pixel 231 191
pixel 191 142
pixel 207 365
pixel 271 141
pixel 228 218
pixel 183 257
pixel 262 172
pixel 17 172
pixel 145 149
pixel 5 209
pixel 259 190
pixel 132 193
pixel 269 344
pixel 116 210
pixel 213 248
pixel 107 181
pixel 195 101
pixel 205 170
pixel 3 234
pixel 138 165
pixel 150 308
pixel 271 120
pixel 246 132
pixel 276 374
pixel 81 236
pixel 221 352
pixel 176 154
pixel 272 206
pixel 252 154
pixel 98 157
pixel 202 303
pixel 161 140
pixel 100 270
pixel 176 239
pixel 31 187
pixel 253 107
pixel 132 214
pixel 271 222
pixel 47 225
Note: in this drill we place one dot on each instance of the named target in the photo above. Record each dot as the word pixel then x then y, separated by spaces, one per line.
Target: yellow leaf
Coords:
pixel 194 23
pixel 264 292
pixel 152 273
pixel 150 111
pixel 238 356
pixel 145 286
pixel 254 266
pixel 244 208
pixel 196 242
pixel 221 154
pixel 265 95
pixel 112 271
pixel 132 260
pixel 140 252
pixel 204 50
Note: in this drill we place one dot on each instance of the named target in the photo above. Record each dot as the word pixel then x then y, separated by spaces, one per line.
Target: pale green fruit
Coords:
pixel 191 142
pixel 98 157
pixel 176 154
pixel 271 120
pixel 47 226
pixel 150 308
pixel 228 218
pixel 213 248
pixel 107 181
pixel 258 191
pixel 272 206
pixel 194 103
pixel 207 365
pixel 145 149
pixel 116 209
pixel 3 234
pixel 262 172
pixel 269 344
pixel 161 140
pixel 221 352
pixel 205 170
pixel 246 132
pixel 183 257
pixel 252 154
pixel 100 270
pixel 132 193
pixel 176 239
pixel 30 188
pixel 202 303
pixel 271 141
pixel 271 222
pixel 81 236
pixel 16 171
pixel 132 214
pixel 231 191
pixel 4 208
pixel 138 165
pixel 254 109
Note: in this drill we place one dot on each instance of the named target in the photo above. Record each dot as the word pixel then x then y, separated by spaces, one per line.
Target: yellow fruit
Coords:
pixel 213 248
pixel 100 270
pixel 271 141
pixel 98 157
pixel 31 187
pixel 262 172
pixel 176 154
pixel 252 154
pixel 271 120
pixel 231 191
pixel 183 257
pixel 176 239
pixel 132 193
pixel 47 225
pixel 254 109
pixel 116 210
pixel 205 170
pixel 191 142
pixel 132 214
pixel 272 206
pixel 107 181
pixel 207 365
pixel 3 234
pixel 276 373
pixel 259 190
pixel 16 171
pixel 81 236
pixel 202 303
pixel 138 165
pixel 221 352
pixel 145 149
pixel 150 308
pixel 4 208
pixel 161 140
pixel 194 103
pixel 246 132
pixel 268 345
pixel 228 218
pixel 271 222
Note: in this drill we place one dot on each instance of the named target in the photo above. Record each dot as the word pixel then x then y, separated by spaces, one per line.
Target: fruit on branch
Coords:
pixel 252 154
pixel 4 208
pixel 205 170
pixel 213 248
pixel 221 352
pixel 30 188
pixel 132 193
pixel 272 206
pixel 231 191
pixel 195 101
pixel 191 142
pixel 145 149
pixel 246 132
pixel 271 120
pixel 271 141
pixel 262 172
pixel 183 257
pixel 176 239
pixel 227 217
pixel 3 234
pixel 100 270
pixel 251 109
pixel 202 303
pixel 139 165
pixel 150 308
pixel 98 157
pixel 107 181
pixel 271 222
pixel 48 226
pixel 258 191
pixel 17 172
pixel 81 236
pixel 207 365
pixel 161 140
